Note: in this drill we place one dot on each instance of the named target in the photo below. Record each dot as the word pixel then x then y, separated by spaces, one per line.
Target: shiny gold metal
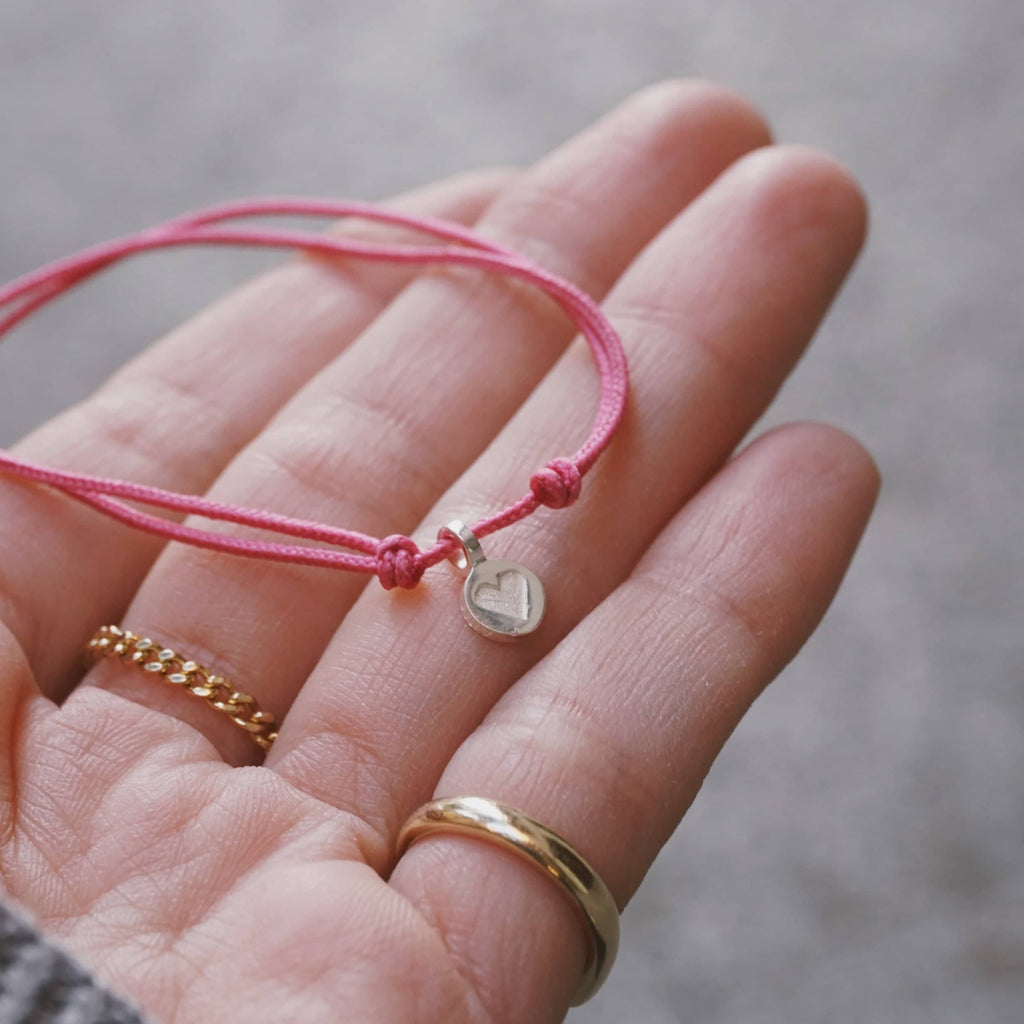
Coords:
pixel 520 834
pixel 152 656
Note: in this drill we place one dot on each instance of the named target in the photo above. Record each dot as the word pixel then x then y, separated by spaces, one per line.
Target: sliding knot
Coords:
pixel 557 485
pixel 398 562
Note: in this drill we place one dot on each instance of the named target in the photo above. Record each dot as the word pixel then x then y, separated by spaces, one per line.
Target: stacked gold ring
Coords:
pixel 536 843
pixel 151 656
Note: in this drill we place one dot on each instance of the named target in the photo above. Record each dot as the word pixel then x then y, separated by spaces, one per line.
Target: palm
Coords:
pixel 154 868
pixel 208 891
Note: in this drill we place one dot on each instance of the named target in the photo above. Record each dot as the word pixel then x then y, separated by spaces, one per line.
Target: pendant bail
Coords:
pixel 469 553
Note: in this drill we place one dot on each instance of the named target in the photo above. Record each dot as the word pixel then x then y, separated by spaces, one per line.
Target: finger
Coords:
pixel 16 687
pixel 174 417
pixel 713 315
pixel 374 440
pixel 607 740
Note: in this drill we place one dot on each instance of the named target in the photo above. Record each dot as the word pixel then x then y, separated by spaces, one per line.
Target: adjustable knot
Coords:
pixel 557 485
pixel 398 562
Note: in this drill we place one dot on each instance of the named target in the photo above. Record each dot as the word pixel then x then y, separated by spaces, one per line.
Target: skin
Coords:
pixel 136 824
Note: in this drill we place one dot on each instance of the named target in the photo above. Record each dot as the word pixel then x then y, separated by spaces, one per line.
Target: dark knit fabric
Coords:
pixel 41 985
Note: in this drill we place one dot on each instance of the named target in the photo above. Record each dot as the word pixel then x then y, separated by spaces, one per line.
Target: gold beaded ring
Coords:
pixel 154 657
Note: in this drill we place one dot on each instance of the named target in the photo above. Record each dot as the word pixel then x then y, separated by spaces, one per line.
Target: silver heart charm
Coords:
pixel 501 600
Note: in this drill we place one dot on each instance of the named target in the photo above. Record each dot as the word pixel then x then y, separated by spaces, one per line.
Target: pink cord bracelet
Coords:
pixel 500 599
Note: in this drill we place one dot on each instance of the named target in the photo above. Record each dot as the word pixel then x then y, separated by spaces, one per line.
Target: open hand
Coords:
pixel 136 826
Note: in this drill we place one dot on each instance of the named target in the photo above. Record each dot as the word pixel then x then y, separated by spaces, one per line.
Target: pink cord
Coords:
pixel 396 559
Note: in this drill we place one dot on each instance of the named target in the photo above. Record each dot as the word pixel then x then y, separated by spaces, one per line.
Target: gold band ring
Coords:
pixel 151 656
pixel 520 834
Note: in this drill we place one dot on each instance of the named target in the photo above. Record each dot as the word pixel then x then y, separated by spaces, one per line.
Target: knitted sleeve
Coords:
pixel 39 984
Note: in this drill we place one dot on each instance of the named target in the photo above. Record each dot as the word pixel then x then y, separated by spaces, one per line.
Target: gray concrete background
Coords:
pixel 856 855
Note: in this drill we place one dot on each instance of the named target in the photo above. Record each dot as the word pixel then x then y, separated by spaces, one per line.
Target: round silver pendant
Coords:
pixel 501 600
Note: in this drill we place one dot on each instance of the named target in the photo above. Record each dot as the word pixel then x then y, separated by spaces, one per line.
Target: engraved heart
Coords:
pixel 502 600
pixel 508 596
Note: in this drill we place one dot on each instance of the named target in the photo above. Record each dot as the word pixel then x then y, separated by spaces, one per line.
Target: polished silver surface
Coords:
pixel 501 600
pixel 469 552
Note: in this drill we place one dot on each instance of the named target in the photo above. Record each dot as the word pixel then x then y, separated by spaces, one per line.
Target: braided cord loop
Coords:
pixel 396 560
